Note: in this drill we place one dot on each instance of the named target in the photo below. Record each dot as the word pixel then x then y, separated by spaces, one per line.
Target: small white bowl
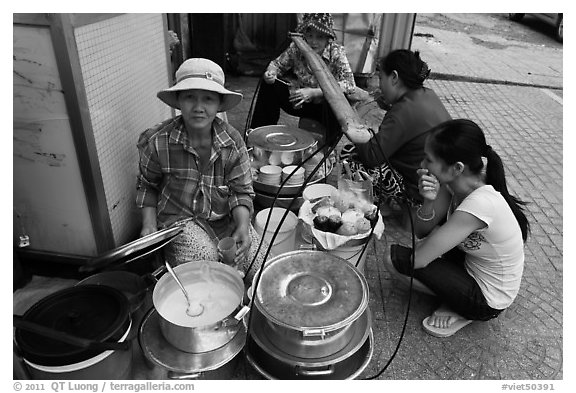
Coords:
pixel 318 190
pixel 287 158
pixel 275 158
pixel 271 170
pixel 292 168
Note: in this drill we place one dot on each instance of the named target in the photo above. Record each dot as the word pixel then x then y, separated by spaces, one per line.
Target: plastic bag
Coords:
pixel 329 240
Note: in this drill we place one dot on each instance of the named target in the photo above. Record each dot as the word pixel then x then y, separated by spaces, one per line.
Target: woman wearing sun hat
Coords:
pixel 306 99
pixel 195 165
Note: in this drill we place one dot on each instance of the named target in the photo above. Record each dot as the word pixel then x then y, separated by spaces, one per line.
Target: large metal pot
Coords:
pixel 218 288
pixel 80 332
pixel 309 304
pixel 280 145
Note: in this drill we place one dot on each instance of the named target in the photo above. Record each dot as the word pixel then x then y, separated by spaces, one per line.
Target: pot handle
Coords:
pixel 177 375
pixel 81 342
pixel 237 317
pixel 152 278
pixel 314 373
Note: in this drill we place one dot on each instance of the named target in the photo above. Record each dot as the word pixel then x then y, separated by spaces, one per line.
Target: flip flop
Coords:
pixel 445 332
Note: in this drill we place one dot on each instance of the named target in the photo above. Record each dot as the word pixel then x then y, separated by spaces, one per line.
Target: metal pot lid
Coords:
pixel 135 249
pixel 305 290
pixel 280 138
pixel 92 312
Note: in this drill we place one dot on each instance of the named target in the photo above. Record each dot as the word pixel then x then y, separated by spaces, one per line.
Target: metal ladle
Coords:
pixel 193 310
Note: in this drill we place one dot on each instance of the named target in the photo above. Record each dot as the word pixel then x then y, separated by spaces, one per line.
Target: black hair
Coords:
pixel 410 68
pixel 463 140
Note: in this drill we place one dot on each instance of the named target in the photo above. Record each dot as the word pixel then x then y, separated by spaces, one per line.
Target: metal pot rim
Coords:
pixel 231 273
pixel 263 137
pixel 327 328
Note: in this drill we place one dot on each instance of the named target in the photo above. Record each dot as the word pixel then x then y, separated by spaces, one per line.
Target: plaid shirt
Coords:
pixel 171 180
pixel 335 57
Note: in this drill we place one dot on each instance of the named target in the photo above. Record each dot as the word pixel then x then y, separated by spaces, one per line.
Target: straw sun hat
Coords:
pixel 201 74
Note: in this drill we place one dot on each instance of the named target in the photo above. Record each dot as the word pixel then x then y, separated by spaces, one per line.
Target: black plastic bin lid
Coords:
pixel 93 312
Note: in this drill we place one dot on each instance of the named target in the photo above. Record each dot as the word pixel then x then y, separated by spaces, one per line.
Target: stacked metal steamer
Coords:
pixel 281 148
pixel 310 319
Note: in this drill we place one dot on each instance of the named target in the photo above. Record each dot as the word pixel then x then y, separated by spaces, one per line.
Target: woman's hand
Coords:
pixel 243 241
pixel 270 76
pixel 147 230
pixel 306 94
pixel 428 184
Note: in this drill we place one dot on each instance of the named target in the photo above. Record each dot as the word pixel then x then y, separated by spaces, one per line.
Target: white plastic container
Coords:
pixel 285 240
pixel 352 253
pixel 318 190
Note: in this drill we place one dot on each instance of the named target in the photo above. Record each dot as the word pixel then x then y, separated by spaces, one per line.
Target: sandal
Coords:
pixel 455 326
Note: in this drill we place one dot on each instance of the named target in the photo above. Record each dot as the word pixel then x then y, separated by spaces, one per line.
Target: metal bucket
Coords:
pixel 204 333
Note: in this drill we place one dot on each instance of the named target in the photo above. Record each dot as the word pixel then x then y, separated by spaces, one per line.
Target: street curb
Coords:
pixel 474 79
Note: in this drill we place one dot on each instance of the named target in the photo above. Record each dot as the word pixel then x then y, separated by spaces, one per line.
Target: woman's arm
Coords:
pixel 149 223
pixel 385 143
pixel 432 213
pixel 241 216
pixel 239 177
pixel 446 237
pixel 284 62
pixel 239 180
pixel 149 180
pixel 341 69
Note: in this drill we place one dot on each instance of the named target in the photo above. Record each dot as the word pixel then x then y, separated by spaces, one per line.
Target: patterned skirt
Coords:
pixel 195 244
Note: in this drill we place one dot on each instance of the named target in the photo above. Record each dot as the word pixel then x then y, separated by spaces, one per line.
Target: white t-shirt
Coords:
pixel 494 254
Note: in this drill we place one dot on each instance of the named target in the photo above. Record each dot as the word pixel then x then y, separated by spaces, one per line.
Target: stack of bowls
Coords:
pixel 270 174
pixel 297 177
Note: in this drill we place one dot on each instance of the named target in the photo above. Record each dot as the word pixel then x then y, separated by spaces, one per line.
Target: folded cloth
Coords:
pixel 329 240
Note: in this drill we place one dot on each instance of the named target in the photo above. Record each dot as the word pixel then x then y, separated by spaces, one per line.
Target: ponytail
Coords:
pixel 495 176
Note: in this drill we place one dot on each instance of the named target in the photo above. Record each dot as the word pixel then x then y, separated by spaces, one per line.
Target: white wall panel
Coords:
pixel 124 65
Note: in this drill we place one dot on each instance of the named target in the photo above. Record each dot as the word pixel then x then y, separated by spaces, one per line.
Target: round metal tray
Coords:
pixel 160 352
